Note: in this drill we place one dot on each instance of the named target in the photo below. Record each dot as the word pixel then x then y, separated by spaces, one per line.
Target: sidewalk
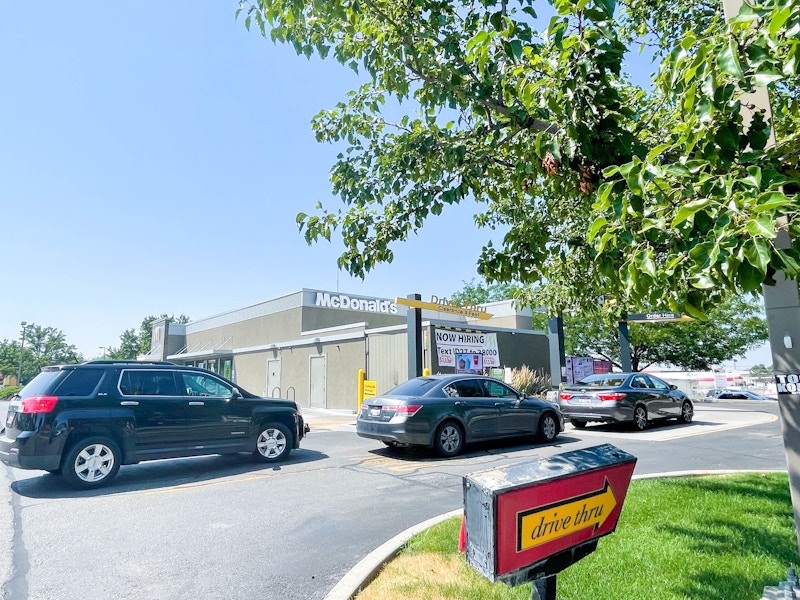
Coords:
pixel 326 419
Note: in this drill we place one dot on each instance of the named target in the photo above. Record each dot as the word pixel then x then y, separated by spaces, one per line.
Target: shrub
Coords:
pixel 7 392
pixel 528 381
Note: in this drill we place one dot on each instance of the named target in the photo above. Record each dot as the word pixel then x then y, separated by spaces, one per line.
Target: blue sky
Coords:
pixel 153 157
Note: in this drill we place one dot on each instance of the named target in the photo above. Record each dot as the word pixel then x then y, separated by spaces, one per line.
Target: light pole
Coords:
pixel 103 348
pixel 21 347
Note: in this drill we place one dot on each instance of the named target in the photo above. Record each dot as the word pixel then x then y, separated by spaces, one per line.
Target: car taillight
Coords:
pixel 406 410
pixel 611 396
pixel 39 404
pixel 564 396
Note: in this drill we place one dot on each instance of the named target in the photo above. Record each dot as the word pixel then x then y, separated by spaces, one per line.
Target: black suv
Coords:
pixel 84 421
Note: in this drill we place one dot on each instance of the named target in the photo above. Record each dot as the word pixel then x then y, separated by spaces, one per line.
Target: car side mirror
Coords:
pixel 236 394
pixel 672 386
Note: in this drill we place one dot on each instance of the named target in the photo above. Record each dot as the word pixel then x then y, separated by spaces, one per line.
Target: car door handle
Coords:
pixel 197 403
pixel 499 403
pixel 460 403
pixel 129 403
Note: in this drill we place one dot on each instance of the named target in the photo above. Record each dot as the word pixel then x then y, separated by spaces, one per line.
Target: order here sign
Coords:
pixel 545 514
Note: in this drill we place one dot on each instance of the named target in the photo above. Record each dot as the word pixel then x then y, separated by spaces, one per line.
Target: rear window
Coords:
pixel 414 387
pixel 604 380
pixel 43 384
pixel 79 382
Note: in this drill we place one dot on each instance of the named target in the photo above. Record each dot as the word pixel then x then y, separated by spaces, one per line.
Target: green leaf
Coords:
pixel 607 6
pixel 689 209
pixel 762 227
pixel 757 253
pixel 770 201
pixel 598 224
pixel 779 19
pixel 728 60
pixel 767 76
pixel 750 278
pixel 644 262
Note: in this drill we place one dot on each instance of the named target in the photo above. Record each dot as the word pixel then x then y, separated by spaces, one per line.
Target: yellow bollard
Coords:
pixel 426 372
pixel 360 388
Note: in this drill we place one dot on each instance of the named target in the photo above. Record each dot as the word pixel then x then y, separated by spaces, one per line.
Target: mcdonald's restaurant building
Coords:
pixel 309 345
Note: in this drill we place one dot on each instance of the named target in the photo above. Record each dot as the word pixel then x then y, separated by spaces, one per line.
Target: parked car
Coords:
pixel 446 412
pixel 739 395
pixel 635 398
pixel 84 421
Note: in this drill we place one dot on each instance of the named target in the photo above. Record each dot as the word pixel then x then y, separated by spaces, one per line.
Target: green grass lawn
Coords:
pixel 709 538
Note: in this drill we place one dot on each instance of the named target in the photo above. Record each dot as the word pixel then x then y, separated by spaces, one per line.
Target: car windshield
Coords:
pixel 604 380
pixel 414 387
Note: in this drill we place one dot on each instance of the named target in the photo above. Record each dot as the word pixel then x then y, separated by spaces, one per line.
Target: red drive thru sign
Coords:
pixel 544 514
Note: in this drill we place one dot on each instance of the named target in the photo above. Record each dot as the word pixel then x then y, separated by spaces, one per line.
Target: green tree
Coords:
pixel 662 196
pixel 128 348
pixel 760 371
pixel 481 292
pixel 734 326
pixel 43 346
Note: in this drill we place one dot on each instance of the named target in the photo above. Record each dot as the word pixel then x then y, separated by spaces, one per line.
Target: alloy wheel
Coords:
pixel 94 463
pixel 271 443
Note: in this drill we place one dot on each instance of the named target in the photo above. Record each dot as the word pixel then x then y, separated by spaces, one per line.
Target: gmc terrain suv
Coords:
pixel 84 421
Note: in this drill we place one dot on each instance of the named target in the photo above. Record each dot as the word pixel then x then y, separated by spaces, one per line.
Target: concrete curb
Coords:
pixel 368 568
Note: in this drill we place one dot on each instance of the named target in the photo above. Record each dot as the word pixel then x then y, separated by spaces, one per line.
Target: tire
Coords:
pixel 273 443
pixel 548 428
pixel 687 413
pixel 578 424
pixel 449 439
pixel 640 418
pixel 91 462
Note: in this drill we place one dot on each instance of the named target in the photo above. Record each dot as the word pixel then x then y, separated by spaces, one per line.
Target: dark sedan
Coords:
pixel 635 398
pixel 447 411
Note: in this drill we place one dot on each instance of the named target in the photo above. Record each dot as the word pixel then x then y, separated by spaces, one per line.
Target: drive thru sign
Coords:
pixel 531 520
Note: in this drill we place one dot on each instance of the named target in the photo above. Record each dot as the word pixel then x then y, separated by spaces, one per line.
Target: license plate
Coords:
pixel 374 412
pixel 581 400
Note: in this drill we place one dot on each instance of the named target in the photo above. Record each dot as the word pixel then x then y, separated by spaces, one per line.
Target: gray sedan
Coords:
pixel 637 398
pixel 447 411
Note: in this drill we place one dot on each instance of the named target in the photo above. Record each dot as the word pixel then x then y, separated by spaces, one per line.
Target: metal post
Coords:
pixel 414 320
pixel 558 363
pixel 624 347
pixel 21 348
pixel 544 588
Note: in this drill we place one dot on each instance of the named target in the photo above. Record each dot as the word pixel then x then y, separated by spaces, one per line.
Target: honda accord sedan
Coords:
pixel 446 412
pixel 635 398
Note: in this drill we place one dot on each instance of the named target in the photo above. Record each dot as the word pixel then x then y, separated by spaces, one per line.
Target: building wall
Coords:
pixel 387 360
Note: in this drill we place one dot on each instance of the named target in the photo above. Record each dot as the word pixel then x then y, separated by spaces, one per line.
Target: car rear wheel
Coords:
pixel 578 424
pixel 687 413
pixel 91 462
pixel 640 418
pixel 449 439
pixel 548 428
pixel 273 443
